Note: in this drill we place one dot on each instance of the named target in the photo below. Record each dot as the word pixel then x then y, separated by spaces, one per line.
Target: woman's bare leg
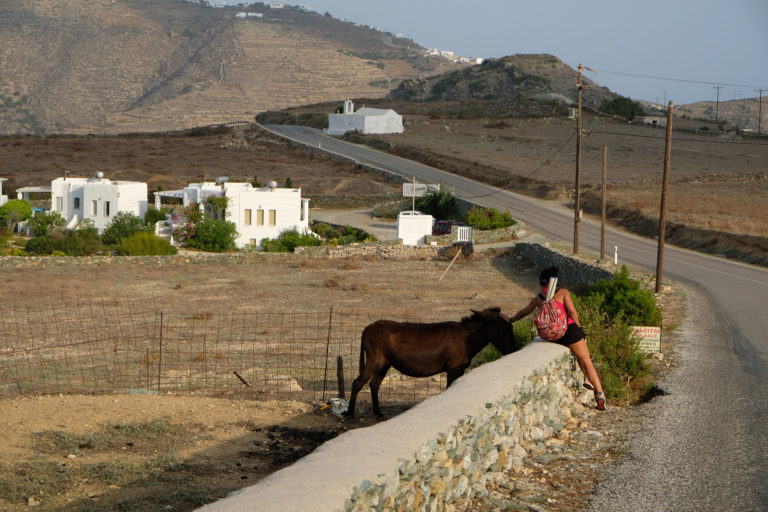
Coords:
pixel 581 351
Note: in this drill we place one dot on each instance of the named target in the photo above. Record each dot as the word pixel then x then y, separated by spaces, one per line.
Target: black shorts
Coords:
pixel 572 334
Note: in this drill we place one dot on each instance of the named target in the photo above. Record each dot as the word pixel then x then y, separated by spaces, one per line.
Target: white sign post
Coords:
pixel 649 337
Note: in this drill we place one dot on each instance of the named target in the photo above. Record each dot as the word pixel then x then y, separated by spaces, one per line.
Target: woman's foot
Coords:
pixel 588 384
pixel 600 399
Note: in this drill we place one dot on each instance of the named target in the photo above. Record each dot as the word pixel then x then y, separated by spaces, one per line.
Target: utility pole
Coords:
pixel 603 202
pixel 576 202
pixel 663 208
pixel 717 101
pixel 760 110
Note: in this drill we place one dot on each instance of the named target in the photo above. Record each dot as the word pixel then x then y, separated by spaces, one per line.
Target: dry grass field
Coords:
pixel 80 453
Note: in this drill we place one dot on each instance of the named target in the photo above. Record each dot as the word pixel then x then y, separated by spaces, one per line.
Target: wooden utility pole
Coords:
pixel 663 208
pixel 760 110
pixel 717 101
pixel 603 202
pixel 577 188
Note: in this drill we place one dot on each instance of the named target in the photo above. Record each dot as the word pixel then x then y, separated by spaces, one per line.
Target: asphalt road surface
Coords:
pixel 705 446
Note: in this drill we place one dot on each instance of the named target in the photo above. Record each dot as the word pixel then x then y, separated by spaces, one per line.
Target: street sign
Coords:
pixel 421 189
pixel 649 338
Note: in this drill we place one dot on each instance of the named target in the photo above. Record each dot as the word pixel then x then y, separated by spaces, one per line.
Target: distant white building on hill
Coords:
pixel 257 213
pixel 364 120
pixel 97 198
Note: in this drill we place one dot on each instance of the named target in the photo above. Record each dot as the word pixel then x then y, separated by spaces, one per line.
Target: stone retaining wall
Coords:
pixel 575 271
pixel 438 453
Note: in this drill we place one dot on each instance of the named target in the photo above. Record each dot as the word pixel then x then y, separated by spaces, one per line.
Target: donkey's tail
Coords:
pixel 362 353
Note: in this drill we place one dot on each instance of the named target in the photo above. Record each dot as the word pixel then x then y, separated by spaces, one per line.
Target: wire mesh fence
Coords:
pixel 136 347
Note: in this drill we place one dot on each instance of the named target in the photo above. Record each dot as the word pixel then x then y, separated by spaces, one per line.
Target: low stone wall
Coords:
pixel 438 453
pixel 575 271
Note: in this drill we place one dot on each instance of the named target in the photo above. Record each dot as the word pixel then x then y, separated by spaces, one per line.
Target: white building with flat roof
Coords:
pixel 364 120
pixel 97 198
pixel 257 213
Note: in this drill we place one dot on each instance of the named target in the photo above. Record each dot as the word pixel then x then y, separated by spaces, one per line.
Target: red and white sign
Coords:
pixel 649 338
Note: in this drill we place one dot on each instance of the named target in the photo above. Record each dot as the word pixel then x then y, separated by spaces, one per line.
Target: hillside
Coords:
pixel 542 77
pixel 111 66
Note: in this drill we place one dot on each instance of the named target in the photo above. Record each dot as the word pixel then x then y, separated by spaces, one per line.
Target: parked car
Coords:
pixel 443 227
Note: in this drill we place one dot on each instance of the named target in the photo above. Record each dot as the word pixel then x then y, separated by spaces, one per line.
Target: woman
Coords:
pixel 574 337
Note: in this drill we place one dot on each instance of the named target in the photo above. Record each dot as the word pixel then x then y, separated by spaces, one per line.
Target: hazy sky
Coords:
pixel 681 48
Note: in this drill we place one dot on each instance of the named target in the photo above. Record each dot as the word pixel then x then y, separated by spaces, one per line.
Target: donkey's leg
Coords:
pixel 453 374
pixel 365 375
pixel 375 384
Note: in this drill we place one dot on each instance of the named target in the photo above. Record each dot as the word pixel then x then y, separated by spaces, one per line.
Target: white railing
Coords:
pixel 464 233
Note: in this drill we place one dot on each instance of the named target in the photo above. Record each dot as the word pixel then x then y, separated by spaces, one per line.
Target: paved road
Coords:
pixel 706 444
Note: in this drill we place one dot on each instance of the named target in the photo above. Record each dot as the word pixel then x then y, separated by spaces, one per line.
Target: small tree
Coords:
pixel 441 204
pixel 46 223
pixel 214 236
pixel 623 107
pixel 15 211
pixel 123 225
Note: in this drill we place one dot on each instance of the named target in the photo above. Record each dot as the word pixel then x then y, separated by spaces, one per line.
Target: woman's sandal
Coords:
pixel 588 384
pixel 600 399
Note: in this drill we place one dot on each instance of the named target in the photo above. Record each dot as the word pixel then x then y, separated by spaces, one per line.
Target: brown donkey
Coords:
pixel 421 350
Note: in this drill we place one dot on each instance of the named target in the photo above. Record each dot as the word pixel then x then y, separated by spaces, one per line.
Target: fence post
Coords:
pixel 327 348
pixel 160 356
pixel 340 376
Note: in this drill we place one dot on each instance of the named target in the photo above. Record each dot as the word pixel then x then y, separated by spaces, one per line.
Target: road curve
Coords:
pixel 706 444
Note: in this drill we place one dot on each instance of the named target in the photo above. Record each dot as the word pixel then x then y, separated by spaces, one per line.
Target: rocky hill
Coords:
pixel 111 66
pixel 741 114
pixel 541 77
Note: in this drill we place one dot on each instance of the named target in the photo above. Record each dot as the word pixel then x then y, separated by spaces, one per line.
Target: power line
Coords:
pixel 544 164
pixel 702 82
pixel 678 139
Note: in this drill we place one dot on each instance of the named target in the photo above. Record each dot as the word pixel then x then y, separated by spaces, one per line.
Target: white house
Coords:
pixel 3 199
pixel 365 120
pixel 257 213
pixel 97 198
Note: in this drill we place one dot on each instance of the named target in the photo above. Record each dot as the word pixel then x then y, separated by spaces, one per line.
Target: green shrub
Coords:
pixel 623 297
pixel 78 242
pixel 44 244
pixel 213 236
pixel 326 231
pixel 123 225
pixel 15 211
pixel 45 223
pixel 488 218
pixel 146 244
pixel 623 107
pixel 289 240
pixel 441 204
pixel 153 216
pixel 622 367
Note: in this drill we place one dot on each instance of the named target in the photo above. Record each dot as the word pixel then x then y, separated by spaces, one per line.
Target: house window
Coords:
pixel 94 208
pixel 106 208
pixel 259 217
pixel 252 242
pixel 76 202
pixel 247 217
pixel 272 217
pixel 59 203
